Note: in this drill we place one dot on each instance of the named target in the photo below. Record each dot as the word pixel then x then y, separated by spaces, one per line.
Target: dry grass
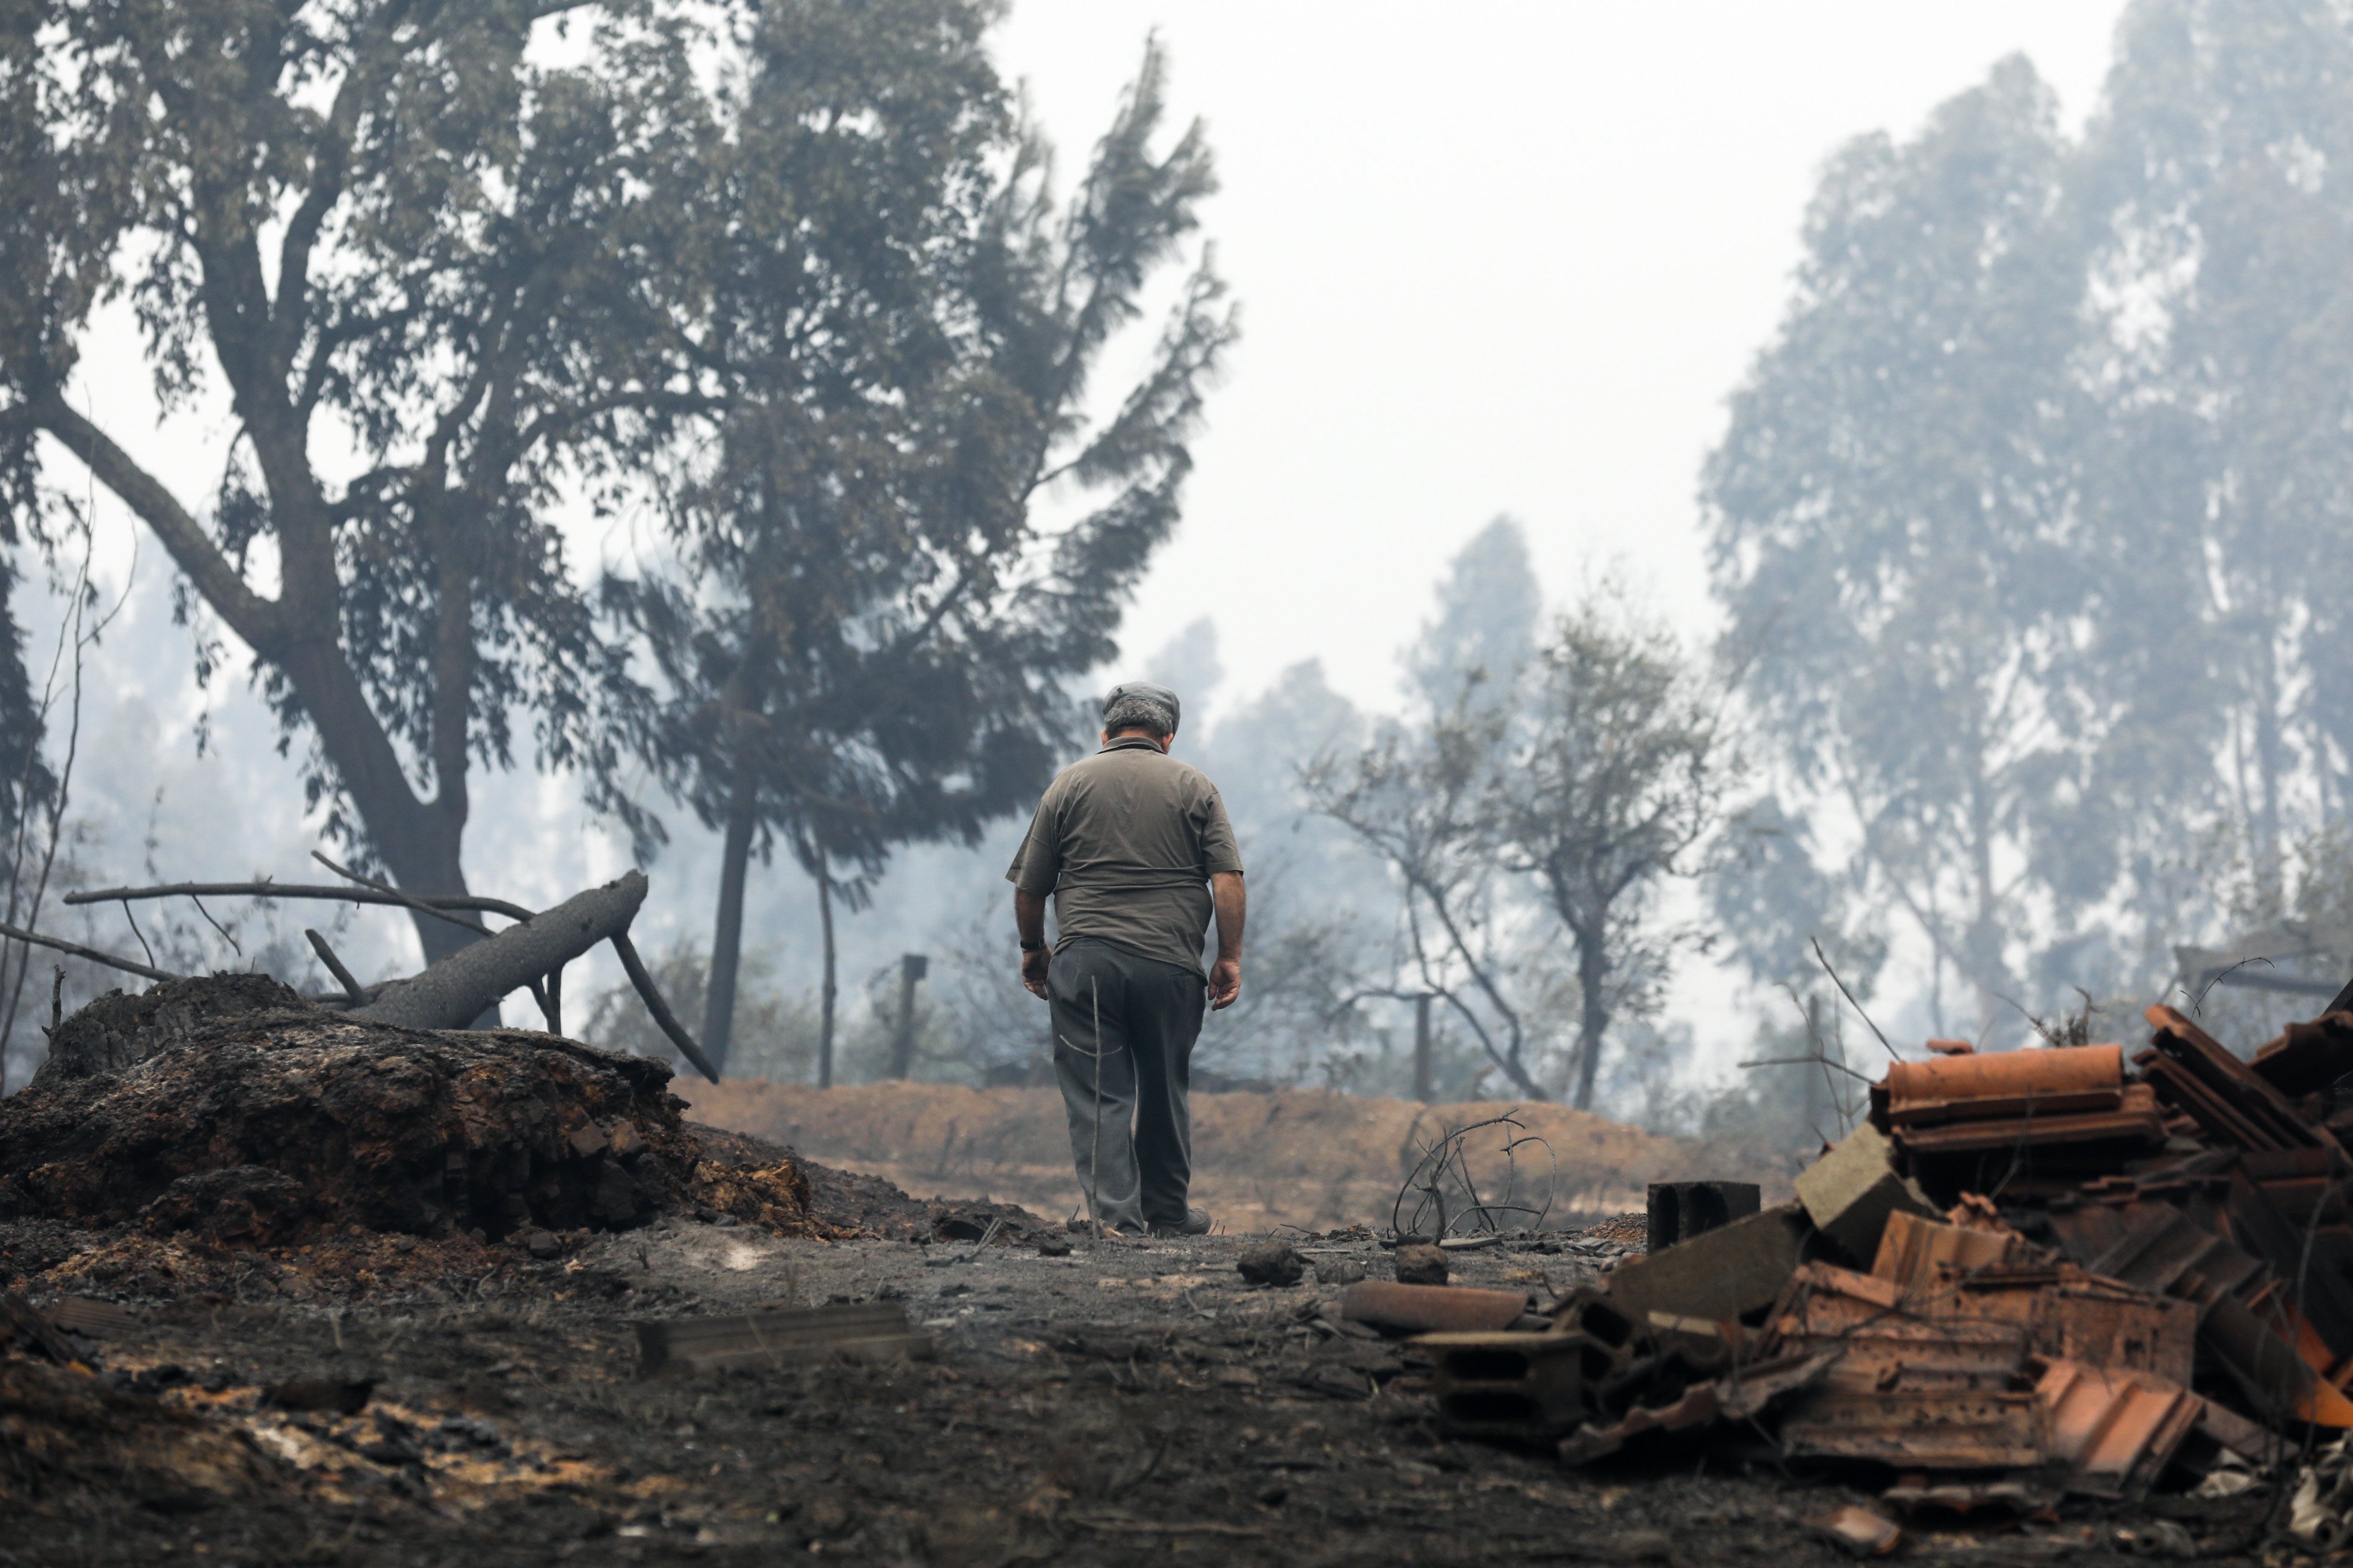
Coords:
pixel 1302 1157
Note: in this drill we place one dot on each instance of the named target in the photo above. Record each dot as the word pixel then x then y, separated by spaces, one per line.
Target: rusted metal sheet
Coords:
pixel 1916 1253
pixel 1983 1085
pixel 2273 1378
pixel 1698 1406
pixel 2155 1247
pixel 2191 1056
pixel 2308 1057
pixel 1739 1395
pixel 872 1330
pixel 2115 1431
pixel 1919 1428
pixel 1425 1308
pixel 1862 1321
pixel 2050 1311
pixel 2135 1118
pixel 2080 1318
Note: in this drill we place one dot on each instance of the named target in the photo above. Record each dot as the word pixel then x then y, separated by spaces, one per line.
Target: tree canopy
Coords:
pixel 868 635
pixel 787 275
pixel 2032 507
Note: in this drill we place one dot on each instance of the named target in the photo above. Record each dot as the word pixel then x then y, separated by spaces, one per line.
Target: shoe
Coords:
pixel 1196 1222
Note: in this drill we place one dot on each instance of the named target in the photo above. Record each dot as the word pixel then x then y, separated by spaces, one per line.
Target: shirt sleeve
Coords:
pixel 1219 853
pixel 1038 864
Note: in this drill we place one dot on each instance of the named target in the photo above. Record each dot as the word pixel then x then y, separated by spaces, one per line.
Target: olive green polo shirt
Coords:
pixel 1127 841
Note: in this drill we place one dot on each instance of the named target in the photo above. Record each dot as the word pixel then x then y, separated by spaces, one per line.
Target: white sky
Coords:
pixel 1504 258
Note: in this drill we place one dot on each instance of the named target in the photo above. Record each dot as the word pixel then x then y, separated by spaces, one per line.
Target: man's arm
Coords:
pixel 1030 916
pixel 1234 907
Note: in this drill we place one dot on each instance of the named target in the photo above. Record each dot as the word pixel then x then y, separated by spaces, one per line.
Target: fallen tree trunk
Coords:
pixel 451 994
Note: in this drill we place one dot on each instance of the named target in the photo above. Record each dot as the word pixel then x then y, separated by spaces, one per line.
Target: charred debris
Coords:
pixel 2023 1276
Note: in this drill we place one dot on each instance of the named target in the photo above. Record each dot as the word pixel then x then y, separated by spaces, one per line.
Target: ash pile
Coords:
pixel 233 1111
pixel 2024 1276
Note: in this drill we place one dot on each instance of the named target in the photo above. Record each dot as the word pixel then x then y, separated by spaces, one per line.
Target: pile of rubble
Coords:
pixel 2024 1275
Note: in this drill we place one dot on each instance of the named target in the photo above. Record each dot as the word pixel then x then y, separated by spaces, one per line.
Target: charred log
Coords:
pixel 446 995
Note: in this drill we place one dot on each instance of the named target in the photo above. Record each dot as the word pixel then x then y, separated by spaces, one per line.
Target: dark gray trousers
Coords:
pixel 1151 1014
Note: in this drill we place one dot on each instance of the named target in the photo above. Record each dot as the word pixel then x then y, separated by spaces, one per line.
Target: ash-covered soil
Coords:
pixel 1134 1398
pixel 367 1295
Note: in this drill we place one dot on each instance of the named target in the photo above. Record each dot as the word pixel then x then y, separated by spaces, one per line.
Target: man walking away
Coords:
pixel 1137 850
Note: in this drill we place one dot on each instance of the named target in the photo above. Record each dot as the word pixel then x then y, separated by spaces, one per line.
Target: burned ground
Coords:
pixel 1132 1396
pixel 294 1289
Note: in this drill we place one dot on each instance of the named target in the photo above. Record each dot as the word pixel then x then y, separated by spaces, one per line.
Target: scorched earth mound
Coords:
pixel 233 1109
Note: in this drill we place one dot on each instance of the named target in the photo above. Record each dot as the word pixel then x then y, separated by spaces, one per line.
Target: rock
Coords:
pixel 1419 1263
pixel 1338 1271
pixel 1053 1246
pixel 1271 1263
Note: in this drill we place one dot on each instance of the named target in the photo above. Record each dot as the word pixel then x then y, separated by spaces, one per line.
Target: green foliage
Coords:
pixel 867 624
pixel 867 632
pixel 405 233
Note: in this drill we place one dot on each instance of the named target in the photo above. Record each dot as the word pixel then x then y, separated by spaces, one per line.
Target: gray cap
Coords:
pixel 1149 692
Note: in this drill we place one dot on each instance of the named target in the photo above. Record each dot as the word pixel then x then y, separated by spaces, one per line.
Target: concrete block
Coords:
pixel 1850 1192
pixel 1728 1271
pixel 1681 1210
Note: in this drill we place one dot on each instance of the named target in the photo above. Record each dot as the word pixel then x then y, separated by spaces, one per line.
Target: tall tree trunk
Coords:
pixel 1592 972
pixel 727 928
pixel 825 1000
pixel 421 851
pixel 298 633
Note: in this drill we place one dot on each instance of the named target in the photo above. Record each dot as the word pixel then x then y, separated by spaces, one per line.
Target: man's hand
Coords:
pixel 1232 905
pixel 1030 920
pixel 1225 982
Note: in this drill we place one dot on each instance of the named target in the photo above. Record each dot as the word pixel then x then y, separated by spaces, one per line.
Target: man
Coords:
pixel 1137 850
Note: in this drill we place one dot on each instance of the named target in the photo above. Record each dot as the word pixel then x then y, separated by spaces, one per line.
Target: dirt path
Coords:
pixel 1305 1157
pixel 1131 1399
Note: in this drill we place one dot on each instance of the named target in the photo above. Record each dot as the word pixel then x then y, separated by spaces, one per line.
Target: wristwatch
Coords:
pixel 1033 947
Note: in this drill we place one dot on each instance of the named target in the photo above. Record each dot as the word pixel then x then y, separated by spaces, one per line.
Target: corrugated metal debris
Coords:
pixel 2025 1274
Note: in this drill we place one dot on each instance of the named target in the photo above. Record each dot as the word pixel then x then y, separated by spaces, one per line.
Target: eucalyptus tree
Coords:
pixel 2215 196
pixel 869 631
pixel 1889 515
pixel 440 263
